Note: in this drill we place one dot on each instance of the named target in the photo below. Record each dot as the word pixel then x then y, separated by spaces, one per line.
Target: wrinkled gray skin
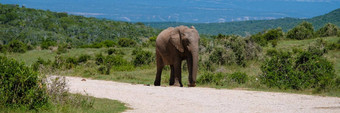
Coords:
pixel 173 45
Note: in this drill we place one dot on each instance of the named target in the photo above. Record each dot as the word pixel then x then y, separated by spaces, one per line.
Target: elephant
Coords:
pixel 173 45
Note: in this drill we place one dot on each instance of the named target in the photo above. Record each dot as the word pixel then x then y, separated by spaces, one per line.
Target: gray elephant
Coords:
pixel 173 45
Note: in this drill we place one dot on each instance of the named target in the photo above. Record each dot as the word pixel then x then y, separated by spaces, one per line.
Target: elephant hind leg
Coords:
pixel 160 66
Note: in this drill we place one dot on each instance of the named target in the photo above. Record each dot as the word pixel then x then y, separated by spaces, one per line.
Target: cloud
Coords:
pixel 126 18
pixel 86 14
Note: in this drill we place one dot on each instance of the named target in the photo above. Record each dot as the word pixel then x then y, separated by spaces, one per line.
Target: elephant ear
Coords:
pixel 175 40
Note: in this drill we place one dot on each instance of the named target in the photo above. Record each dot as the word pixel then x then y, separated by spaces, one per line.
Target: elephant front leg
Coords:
pixel 178 75
pixel 172 75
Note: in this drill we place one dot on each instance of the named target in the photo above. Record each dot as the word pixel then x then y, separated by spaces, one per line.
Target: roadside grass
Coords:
pixel 99 106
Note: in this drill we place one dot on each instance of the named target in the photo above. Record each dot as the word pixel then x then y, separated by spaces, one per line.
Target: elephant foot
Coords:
pixel 157 84
pixel 177 84
pixel 191 85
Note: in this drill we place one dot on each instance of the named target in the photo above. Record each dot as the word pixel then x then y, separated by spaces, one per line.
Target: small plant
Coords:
pixel 115 51
pixel 126 42
pixel 239 77
pixel 17 46
pixel 83 58
pixel 142 57
pixel 328 30
pixel 302 31
pixel 99 59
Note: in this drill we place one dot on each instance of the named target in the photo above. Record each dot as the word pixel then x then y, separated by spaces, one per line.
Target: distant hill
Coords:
pixel 34 26
pixel 253 26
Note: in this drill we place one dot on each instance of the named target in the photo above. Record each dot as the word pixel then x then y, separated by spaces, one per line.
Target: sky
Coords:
pixel 192 11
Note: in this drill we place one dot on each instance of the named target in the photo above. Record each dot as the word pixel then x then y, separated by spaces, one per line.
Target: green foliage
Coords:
pixel 20 85
pixel 62 49
pixel 17 46
pixel 239 77
pixel 113 60
pixel 115 51
pixel 99 59
pixel 83 58
pixel 47 43
pixel 126 42
pixel 31 25
pixel 142 57
pixel 39 63
pixel 304 71
pixel 234 50
pixel 304 30
pixel 328 30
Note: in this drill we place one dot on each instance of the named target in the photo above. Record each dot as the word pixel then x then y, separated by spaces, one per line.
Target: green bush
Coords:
pixel 142 57
pixel 83 58
pixel 302 31
pixel 47 43
pixel 304 71
pixel 17 46
pixel 126 42
pixel 113 60
pixel 40 62
pixel 318 48
pixel 239 77
pixel 115 51
pixel 328 30
pixel 234 50
pixel 262 38
pixel 20 85
pixel 99 59
pixel 62 49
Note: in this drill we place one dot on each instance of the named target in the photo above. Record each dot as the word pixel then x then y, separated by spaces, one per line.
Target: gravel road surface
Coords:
pixel 151 99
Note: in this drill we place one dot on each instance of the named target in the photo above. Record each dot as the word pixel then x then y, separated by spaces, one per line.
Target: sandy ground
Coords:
pixel 151 99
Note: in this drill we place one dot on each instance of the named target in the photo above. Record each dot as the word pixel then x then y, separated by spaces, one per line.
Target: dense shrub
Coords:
pixel 47 43
pixel 39 63
pixel 20 85
pixel 115 51
pixel 113 60
pixel 17 46
pixel 302 31
pixel 328 30
pixel 142 57
pixel 62 49
pixel 262 38
pixel 99 59
pixel 304 71
pixel 239 77
pixel 234 50
pixel 126 42
pixel 83 58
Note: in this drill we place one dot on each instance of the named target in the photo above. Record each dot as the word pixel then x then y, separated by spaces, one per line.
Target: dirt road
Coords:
pixel 151 99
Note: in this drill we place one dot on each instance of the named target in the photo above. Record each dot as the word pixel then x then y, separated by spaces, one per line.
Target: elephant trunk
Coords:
pixel 194 67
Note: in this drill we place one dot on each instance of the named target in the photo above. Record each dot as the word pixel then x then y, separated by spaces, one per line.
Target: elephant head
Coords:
pixel 186 41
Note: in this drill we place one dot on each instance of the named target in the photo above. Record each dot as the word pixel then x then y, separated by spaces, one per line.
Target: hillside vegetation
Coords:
pixel 253 26
pixel 36 26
